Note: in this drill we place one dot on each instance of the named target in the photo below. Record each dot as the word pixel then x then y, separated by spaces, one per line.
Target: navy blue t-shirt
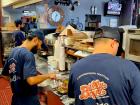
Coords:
pixel 19 37
pixel 103 79
pixel 19 66
pixel 33 25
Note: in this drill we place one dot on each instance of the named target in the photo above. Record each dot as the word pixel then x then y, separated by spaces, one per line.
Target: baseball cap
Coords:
pixel 38 33
pixel 17 22
pixel 107 32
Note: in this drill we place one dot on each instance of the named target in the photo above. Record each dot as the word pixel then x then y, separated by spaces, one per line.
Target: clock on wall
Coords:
pixel 55 15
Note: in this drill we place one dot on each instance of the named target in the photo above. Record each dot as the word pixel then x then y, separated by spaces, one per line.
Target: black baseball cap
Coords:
pixel 107 32
pixel 38 33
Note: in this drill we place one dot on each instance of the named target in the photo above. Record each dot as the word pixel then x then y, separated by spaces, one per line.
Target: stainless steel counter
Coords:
pixel 42 67
pixel 7 42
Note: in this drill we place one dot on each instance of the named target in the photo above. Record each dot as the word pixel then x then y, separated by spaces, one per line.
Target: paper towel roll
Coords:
pixel 57 46
pixel 56 50
pixel 62 59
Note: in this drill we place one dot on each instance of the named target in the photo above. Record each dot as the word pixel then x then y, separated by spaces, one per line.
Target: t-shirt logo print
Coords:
pixel 12 68
pixel 94 90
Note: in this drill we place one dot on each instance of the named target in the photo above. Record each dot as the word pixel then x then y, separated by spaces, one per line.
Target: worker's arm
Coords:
pixel 133 78
pixel 5 71
pixel 33 80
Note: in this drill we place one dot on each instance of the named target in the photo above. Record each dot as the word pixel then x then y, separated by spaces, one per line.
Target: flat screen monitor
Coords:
pixel 112 8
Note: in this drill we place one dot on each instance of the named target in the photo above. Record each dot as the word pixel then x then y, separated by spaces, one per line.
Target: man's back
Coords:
pixel 103 79
pixel 19 66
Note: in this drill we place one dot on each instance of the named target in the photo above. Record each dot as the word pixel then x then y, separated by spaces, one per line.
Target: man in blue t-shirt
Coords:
pixel 21 68
pixel 102 78
pixel 18 34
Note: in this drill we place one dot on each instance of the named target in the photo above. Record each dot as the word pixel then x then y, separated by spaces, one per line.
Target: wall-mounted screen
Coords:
pixel 112 8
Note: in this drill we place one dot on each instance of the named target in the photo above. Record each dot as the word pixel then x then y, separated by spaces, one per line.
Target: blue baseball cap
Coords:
pixel 38 33
pixel 107 32
pixel 18 22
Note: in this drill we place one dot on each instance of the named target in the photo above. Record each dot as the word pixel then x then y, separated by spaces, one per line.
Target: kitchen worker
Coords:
pixel 18 34
pixel 33 23
pixel 26 27
pixel 103 78
pixel 21 68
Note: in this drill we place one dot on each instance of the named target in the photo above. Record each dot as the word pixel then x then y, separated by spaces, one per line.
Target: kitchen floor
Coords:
pixel 5 92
